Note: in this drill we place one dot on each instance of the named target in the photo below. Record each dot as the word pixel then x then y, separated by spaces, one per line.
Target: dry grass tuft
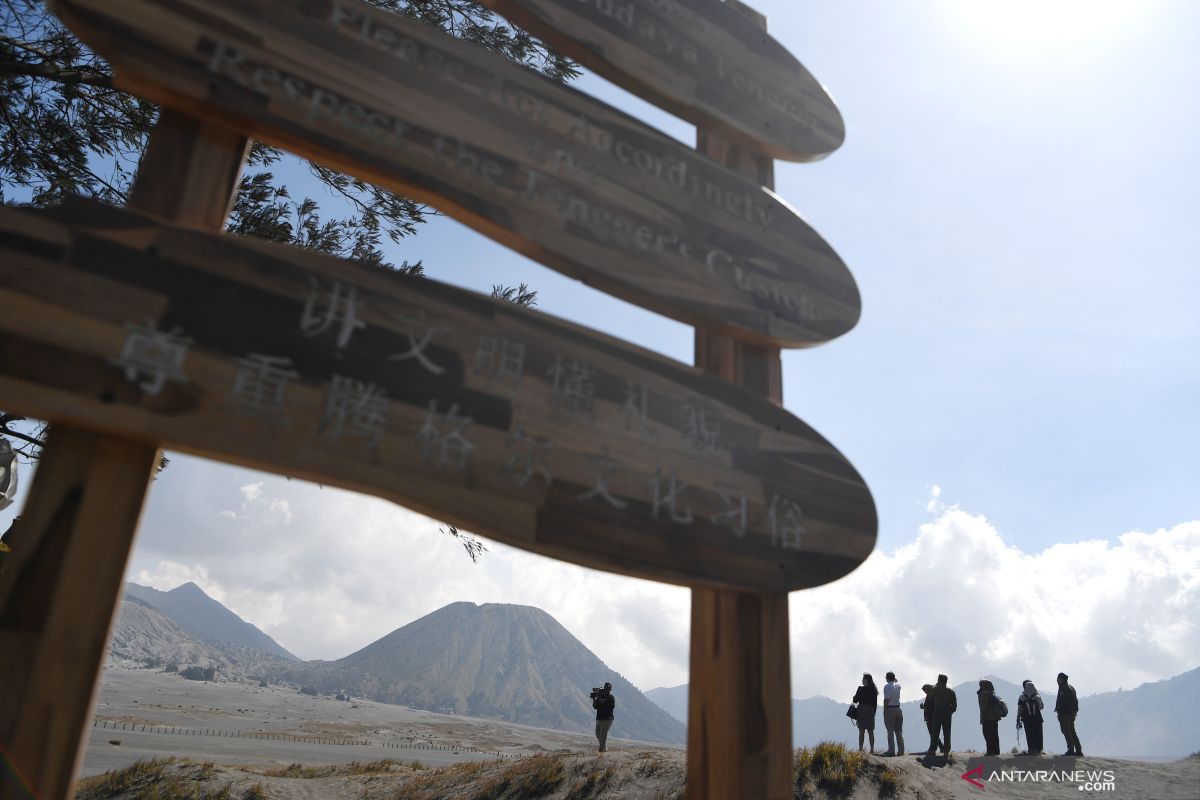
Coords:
pixel 155 779
pixel 590 781
pixel 384 766
pixel 829 766
pixel 889 783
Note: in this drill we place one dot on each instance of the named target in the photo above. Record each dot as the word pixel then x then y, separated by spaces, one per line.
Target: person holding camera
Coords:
pixel 604 703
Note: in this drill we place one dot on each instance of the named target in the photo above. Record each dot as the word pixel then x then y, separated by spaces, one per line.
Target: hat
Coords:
pixel 942 679
pixel 1062 676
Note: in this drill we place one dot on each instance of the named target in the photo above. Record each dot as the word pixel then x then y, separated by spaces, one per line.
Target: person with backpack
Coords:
pixel 991 710
pixel 867 697
pixel 927 710
pixel 945 703
pixel 1029 716
pixel 893 716
pixel 1067 708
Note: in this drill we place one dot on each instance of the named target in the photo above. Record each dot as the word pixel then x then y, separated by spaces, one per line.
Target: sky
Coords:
pixel 1017 199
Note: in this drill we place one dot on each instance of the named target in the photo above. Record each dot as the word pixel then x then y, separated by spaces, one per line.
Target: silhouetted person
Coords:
pixel 604 703
pixel 1029 716
pixel 989 716
pixel 945 703
pixel 867 697
pixel 893 716
pixel 1067 708
pixel 927 709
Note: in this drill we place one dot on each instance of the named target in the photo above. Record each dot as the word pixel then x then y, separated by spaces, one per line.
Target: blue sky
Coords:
pixel 1019 211
pixel 1017 198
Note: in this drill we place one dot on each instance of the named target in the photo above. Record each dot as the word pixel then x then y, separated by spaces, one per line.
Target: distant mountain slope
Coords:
pixel 510 662
pixel 672 699
pixel 144 636
pixel 206 620
pixel 1149 721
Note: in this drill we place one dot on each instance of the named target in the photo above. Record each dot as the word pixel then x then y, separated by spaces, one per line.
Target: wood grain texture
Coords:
pixel 739 679
pixel 542 168
pixel 57 599
pixel 60 587
pixel 524 428
pixel 703 60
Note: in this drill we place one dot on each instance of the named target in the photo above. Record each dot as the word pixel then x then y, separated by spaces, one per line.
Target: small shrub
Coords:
pixel 829 766
pixel 255 792
pixel 889 783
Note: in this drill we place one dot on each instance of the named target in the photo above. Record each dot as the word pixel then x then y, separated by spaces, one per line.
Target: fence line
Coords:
pixel 410 744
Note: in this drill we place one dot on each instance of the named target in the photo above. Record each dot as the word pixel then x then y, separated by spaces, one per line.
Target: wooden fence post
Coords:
pixel 739 693
pixel 60 586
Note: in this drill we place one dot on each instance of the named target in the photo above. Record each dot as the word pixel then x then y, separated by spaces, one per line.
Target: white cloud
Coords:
pixel 956 599
pixel 959 600
pixel 166 575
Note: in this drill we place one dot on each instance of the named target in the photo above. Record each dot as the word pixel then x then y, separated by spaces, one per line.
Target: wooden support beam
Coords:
pixel 61 584
pixel 739 693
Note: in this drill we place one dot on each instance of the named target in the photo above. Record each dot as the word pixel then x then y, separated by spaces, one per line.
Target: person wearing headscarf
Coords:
pixel 1029 716
pixel 989 716
pixel 1067 708
pixel 867 697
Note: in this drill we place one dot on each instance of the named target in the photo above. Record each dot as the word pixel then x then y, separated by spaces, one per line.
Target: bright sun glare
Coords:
pixel 1075 24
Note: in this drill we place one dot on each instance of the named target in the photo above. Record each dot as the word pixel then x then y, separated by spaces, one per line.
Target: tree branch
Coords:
pixel 71 77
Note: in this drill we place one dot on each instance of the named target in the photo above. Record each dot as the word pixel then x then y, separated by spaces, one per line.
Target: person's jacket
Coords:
pixel 604 705
pixel 867 696
pixel 1067 702
pixel 945 701
pixel 989 708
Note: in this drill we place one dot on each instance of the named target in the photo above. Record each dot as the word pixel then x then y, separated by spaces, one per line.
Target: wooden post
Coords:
pixel 60 586
pixel 739 693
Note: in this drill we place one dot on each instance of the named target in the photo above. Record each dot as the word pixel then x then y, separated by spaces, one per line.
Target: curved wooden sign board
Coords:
pixel 506 421
pixel 565 179
pixel 702 60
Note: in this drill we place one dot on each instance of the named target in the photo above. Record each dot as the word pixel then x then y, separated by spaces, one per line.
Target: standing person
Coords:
pixel 989 716
pixel 867 697
pixel 893 716
pixel 1067 708
pixel 1029 716
pixel 927 708
pixel 945 703
pixel 604 703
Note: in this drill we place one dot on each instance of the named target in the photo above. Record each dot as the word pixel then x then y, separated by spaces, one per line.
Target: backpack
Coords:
pixel 1000 705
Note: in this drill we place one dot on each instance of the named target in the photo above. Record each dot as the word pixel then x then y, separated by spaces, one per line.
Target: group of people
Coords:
pixel 941 702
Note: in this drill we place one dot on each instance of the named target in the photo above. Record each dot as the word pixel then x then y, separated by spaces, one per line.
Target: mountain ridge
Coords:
pixel 495 660
pixel 205 619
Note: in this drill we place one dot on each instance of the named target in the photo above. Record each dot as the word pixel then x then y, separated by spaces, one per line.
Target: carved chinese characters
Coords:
pixel 542 168
pixel 518 426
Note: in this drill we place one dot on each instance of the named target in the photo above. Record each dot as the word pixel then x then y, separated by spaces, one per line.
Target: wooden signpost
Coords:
pixel 543 168
pixel 703 60
pixel 131 332
pixel 501 419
